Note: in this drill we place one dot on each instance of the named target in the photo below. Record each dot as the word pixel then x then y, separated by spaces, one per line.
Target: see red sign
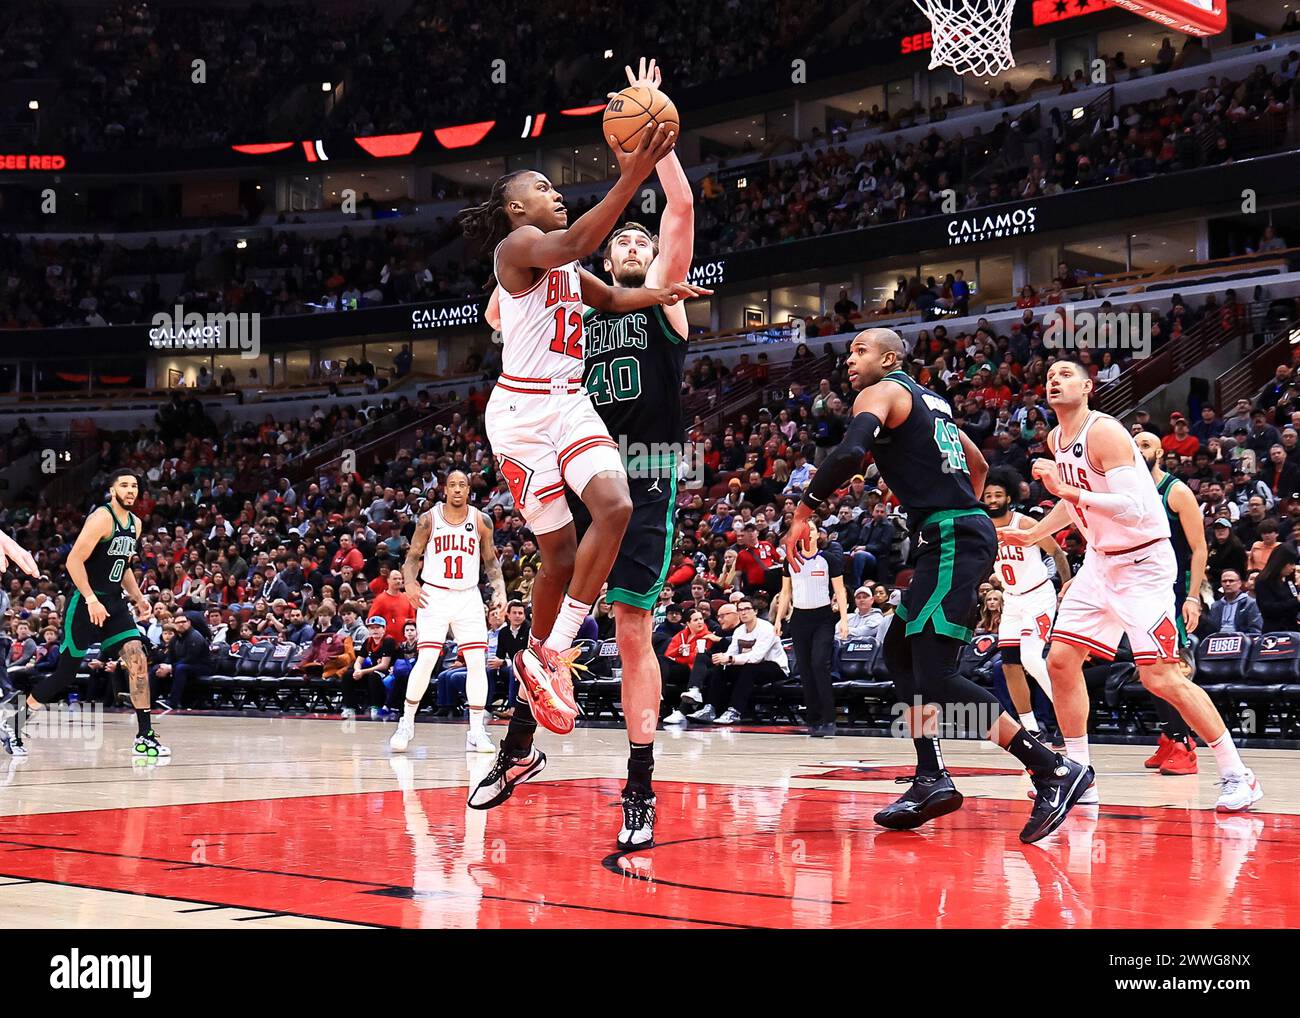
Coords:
pixel 916 43
pixel 31 162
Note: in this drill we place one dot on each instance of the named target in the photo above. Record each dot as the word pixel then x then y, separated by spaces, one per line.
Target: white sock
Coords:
pixel 417 683
pixel 1226 755
pixel 476 719
pixel 1077 750
pixel 572 613
pixel 1028 722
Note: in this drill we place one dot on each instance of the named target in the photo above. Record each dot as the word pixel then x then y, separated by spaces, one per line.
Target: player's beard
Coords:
pixel 1150 461
pixel 632 279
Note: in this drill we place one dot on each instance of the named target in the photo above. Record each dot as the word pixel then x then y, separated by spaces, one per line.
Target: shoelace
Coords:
pixel 637 813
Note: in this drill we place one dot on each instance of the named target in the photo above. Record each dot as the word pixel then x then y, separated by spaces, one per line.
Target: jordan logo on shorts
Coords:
pixel 1165 633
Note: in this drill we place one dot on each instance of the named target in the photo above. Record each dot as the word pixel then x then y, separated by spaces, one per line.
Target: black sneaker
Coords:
pixel 506 772
pixel 638 822
pixel 1056 793
pixel 13 716
pixel 928 798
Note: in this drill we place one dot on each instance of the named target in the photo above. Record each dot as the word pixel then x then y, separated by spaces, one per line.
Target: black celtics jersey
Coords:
pixel 111 557
pixel 922 460
pixel 632 369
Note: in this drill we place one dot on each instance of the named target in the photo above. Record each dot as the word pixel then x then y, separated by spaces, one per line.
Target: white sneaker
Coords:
pixel 403 736
pixel 693 698
pixel 1240 792
pixel 729 717
pixel 477 740
pixel 348 712
pixel 675 718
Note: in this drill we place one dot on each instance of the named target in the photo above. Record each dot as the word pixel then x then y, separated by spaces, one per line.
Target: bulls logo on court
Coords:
pixel 1165 633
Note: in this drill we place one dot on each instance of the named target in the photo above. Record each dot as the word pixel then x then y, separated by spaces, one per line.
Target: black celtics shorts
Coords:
pixel 79 633
pixel 954 555
pixel 646 552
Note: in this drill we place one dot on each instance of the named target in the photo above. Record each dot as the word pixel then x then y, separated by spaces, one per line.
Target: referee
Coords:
pixel 805 599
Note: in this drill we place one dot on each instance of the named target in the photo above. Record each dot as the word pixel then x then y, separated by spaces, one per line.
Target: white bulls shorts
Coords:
pixel 461 611
pixel 1131 592
pixel 546 435
pixel 1027 617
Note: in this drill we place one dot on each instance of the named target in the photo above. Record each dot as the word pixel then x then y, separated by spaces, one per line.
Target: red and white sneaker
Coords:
pixel 1163 748
pixel 544 678
pixel 1182 760
pixel 1240 792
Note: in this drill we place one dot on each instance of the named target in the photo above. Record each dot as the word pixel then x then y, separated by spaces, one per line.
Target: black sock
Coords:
pixel 1036 757
pixel 519 736
pixel 1171 722
pixel 929 762
pixel 640 766
pixel 143 724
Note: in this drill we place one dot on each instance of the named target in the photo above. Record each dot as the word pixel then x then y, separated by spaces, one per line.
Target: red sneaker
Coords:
pixel 1163 748
pixel 542 673
pixel 1182 760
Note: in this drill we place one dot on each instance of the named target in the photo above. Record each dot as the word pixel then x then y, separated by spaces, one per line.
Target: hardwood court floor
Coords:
pixel 289 822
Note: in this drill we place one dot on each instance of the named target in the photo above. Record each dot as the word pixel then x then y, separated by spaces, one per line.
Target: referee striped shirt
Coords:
pixel 810 587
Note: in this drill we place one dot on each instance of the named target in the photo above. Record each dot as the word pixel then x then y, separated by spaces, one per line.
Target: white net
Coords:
pixel 970 36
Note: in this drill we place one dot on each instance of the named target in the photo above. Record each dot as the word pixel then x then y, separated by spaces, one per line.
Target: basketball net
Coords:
pixel 970 36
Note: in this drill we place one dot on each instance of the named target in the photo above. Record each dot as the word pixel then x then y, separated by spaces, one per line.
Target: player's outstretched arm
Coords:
pixel 530 248
pixel 617 299
pixel 1057 518
pixel 873 408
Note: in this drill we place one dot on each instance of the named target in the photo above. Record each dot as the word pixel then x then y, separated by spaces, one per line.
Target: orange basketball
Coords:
pixel 632 110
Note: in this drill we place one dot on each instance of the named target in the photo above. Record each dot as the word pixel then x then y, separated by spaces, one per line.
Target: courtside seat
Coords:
pixel 1274 664
pixel 1222 660
pixel 595 692
pixel 243 685
pixel 279 687
pixel 858 685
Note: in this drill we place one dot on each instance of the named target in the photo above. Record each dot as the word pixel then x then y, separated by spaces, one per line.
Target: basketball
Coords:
pixel 629 112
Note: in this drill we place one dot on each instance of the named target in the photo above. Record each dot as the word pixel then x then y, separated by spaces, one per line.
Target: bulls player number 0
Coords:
pixel 1009 575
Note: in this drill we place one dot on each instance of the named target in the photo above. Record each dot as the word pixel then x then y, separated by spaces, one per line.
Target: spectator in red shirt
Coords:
pixel 1181 440
pixel 395 607
pixel 349 555
pixel 755 559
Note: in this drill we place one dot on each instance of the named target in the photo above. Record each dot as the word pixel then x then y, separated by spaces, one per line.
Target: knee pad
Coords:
pixel 553 516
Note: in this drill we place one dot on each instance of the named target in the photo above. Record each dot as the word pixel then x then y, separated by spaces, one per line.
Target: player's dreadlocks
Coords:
pixel 487 225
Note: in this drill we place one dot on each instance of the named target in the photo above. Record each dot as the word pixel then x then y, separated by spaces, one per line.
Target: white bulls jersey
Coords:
pixel 541 327
pixel 1020 569
pixel 1104 532
pixel 451 558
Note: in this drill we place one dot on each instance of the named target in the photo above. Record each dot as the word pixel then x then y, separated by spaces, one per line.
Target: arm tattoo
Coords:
pixel 415 554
